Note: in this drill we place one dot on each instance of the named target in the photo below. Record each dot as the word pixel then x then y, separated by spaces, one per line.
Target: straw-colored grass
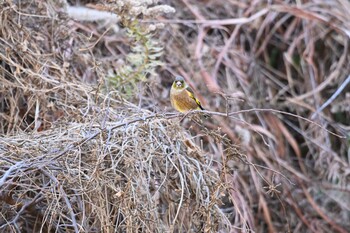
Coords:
pixel 89 143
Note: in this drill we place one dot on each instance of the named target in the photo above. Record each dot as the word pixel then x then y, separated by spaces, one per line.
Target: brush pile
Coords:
pixel 88 142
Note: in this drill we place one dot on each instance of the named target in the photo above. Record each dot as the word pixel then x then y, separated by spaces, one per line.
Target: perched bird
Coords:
pixel 182 97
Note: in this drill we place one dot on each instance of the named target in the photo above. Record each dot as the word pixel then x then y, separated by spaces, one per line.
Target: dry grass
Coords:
pixel 79 154
pixel 134 175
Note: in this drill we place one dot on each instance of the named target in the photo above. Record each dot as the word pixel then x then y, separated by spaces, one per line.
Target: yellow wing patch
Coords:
pixel 190 94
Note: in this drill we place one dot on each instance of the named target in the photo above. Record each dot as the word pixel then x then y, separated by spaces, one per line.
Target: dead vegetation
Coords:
pixel 89 144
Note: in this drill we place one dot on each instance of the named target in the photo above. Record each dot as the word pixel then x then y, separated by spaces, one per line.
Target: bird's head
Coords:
pixel 179 82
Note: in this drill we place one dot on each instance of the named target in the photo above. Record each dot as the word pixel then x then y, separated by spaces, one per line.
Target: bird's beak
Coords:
pixel 178 84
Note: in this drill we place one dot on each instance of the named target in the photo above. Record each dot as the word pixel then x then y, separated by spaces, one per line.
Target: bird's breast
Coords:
pixel 181 101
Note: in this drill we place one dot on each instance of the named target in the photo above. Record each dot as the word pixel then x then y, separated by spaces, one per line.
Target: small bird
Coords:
pixel 182 97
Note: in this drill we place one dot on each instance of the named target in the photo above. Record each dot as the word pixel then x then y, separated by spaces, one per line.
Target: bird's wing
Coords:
pixel 190 94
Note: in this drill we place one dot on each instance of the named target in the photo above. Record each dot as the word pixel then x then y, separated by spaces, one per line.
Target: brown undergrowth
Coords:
pixel 89 144
pixel 76 157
